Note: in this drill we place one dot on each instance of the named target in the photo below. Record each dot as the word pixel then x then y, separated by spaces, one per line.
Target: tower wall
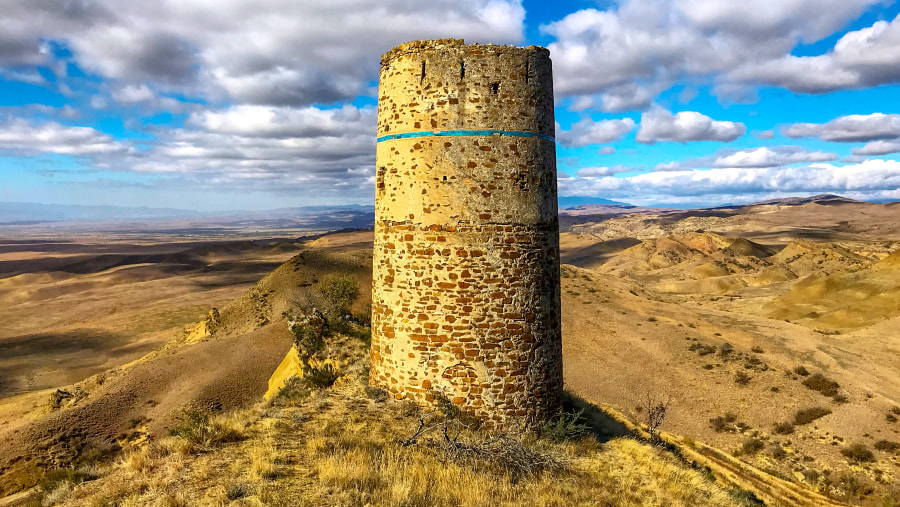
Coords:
pixel 466 264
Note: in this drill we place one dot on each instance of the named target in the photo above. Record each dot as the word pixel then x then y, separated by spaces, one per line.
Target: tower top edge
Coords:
pixel 455 44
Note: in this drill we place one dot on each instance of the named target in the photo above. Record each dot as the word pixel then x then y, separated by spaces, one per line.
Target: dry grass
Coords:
pixel 338 446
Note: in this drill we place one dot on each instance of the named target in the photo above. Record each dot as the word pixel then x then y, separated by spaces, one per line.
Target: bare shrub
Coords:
pixel 801 370
pixel 741 378
pixel 656 414
pixel 503 453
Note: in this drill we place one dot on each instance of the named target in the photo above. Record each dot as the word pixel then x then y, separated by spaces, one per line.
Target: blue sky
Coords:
pixel 261 104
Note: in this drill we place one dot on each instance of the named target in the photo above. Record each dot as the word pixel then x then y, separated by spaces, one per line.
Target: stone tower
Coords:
pixel 466 297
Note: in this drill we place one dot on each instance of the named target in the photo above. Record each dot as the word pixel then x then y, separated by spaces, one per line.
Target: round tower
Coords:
pixel 466 297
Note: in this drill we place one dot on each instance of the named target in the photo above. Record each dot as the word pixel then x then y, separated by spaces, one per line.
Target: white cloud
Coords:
pixel 851 128
pixel 660 125
pixel 650 44
pixel 606 150
pixel 593 172
pixel 771 157
pixel 133 93
pixel 307 122
pixel 869 179
pixel 23 138
pixel 587 132
pixel 765 134
pixel 250 51
pixel 878 148
pixel 862 58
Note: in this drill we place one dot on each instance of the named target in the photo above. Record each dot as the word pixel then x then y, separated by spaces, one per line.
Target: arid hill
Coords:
pixel 773 339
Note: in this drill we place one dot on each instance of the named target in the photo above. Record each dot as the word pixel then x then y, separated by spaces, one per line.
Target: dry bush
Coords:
pixel 801 370
pixel 887 446
pixel 201 430
pixel 858 452
pixel 822 384
pixel 724 423
pixel 320 374
pixel 742 378
pixel 262 460
pixel 783 428
pixel 809 415
pixel 752 446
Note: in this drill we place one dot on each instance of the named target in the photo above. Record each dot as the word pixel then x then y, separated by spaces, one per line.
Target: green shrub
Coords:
pixel 858 452
pixel 449 409
pixel 809 415
pixel 340 292
pixel 565 427
pixel 320 375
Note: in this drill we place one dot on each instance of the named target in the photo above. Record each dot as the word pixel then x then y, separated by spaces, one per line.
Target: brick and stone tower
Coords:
pixel 466 297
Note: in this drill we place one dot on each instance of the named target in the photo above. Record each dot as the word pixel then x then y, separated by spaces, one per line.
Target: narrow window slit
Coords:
pixel 422 80
pixel 495 87
pixel 462 70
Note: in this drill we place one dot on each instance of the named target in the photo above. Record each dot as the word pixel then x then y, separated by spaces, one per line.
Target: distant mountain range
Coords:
pixel 23 213
pixel 581 200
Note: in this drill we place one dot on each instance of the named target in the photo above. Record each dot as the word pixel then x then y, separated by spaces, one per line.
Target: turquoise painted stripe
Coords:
pixel 444 133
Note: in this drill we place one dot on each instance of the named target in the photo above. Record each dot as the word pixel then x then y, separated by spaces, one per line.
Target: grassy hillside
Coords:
pixel 347 444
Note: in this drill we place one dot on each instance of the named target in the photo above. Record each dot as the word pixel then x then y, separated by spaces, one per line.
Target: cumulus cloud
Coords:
pixel 593 172
pixel 765 134
pixel 878 148
pixel 20 137
pixel 133 93
pixel 853 128
pixel 869 179
pixel 770 157
pixel 249 51
pixel 659 125
pixel 587 131
pixel 648 44
pixel 861 58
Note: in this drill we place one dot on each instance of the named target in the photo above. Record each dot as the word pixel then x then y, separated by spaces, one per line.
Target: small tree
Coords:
pixel 656 414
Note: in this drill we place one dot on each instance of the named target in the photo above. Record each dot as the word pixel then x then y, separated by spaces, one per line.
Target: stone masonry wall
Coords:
pixel 466 274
